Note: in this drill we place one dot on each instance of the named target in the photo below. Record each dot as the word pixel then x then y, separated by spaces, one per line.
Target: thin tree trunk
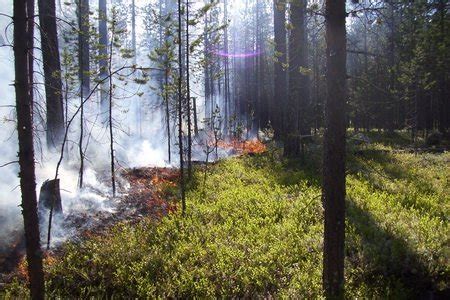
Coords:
pixel 188 95
pixel 194 111
pixel 333 189
pixel 133 31
pixel 166 100
pixel 83 44
pixel 226 70
pixel 24 100
pixel 103 53
pixel 134 48
pixel 280 78
pixel 52 72
pixel 208 87
pixel 110 116
pixel 180 111
pixel 83 58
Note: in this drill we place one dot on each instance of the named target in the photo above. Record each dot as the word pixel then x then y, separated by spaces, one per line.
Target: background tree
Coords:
pixel 280 74
pixel 52 72
pixel 297 125
pixel 83 74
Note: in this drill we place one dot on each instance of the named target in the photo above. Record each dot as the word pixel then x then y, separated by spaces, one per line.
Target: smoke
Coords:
pixel 140 139
pixel 134 147
pixel 9 191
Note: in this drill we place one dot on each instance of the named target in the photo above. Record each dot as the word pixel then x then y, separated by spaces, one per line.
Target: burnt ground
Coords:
pixel 142 197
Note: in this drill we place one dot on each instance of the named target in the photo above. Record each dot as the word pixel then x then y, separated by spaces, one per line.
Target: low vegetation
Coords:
pixel 255 227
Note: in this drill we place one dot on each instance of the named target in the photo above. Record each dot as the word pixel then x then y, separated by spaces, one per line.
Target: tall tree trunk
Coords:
pixel 24 100
pixel 103 53
pixel 83 44
pixel 30 43
pixel 257 71
pixel 110 105
pixel 180 110
pixel 226 70
pixel 83 59
pixel 298 80
pixel 443 105
pixel 280 75
pixel 138 108
pixel 52 73
pixel 166 102
pixel 188 95
pixel 133 31
pixel 333 189
pixel 208 104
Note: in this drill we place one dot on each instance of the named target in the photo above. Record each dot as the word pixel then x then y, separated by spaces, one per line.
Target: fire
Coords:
pixel 148 186
pixel 244 147
pixel 22 270
pixel 157 180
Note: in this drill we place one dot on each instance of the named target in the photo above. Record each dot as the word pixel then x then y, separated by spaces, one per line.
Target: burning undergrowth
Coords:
pixel 145 192
pixel 243 147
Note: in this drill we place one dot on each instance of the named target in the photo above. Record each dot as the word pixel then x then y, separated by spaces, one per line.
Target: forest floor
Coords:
pixel 254 226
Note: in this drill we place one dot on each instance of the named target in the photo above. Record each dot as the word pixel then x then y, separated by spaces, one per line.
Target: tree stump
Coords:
pixel 50 196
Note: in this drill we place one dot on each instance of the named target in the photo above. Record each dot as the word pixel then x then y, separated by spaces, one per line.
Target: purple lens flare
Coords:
pixel 236 55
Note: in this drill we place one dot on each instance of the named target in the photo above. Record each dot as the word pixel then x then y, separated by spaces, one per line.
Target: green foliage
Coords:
pixel 255 230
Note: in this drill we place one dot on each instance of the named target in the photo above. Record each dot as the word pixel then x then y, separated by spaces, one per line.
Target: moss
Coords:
pixel 255 229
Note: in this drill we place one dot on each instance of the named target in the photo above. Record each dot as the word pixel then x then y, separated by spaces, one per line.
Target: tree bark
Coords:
pixel 83 74
pixel 280 75
pixel 226 71
pixel 180 111
pixel 333 189
pixel 133 31
pixel 52 73
pixel 188 94
pixel 83 44
pixel 24 100
pixel 103 52
pixel 298 81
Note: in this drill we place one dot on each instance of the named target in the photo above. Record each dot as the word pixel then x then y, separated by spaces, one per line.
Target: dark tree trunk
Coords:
pixel 298 81
pixel 333 189
pixel 208 98
pixel 52 73
pixel 280 75
pixel 188 95
pixel 443 76
pixel 180 110
pixel 24 100
pixel 83 61
pixel 194 112
pixel 103 53
pixel 226 71
pixel 110 110
pixel 166 102
pixel 83 45
pixel 30 6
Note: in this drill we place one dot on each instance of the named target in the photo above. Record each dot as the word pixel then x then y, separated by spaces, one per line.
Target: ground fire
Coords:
pixel 243 147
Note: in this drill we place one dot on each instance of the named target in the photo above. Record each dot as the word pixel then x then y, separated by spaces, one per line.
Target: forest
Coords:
pixel 224 149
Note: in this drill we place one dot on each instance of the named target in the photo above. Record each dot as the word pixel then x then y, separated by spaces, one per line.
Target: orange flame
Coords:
pixel 244 147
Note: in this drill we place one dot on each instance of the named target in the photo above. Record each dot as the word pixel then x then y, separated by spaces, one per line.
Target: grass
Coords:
pixel 255 230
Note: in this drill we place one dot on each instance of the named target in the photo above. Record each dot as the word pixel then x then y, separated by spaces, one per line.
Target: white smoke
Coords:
pixel 9 190
pixel 139 134
pixel 130 151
